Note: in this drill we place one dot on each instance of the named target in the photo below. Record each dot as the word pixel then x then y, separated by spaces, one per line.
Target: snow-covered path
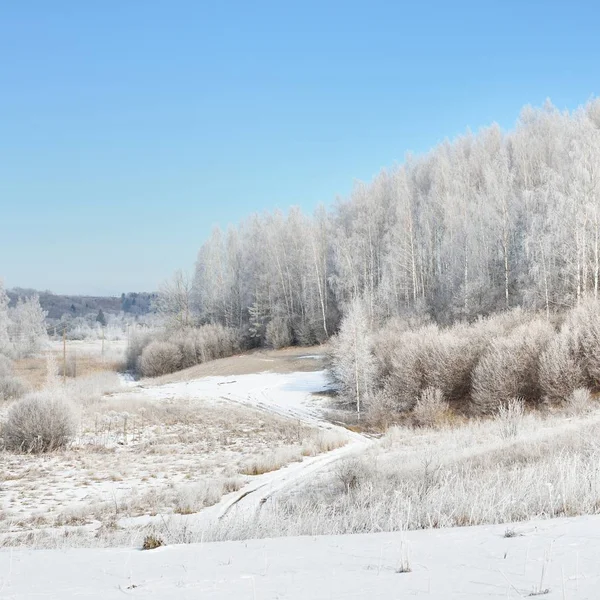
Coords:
pixel 289 395
pixel 561 556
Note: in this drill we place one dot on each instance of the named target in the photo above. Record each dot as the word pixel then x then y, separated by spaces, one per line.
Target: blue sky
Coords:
pixel 129 128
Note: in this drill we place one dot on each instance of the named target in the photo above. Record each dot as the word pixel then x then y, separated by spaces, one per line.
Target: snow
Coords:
pixel 560 557
pixel 465 563
pixel 291 394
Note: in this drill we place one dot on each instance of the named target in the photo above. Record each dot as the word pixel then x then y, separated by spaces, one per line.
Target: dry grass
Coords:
pixel 135 455
pixel 424 478
pixel 87 356
pixel 315 443
pixel 287 360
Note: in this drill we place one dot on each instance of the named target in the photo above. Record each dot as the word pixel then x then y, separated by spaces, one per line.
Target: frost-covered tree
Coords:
pixel 353 364
pixel 492 220
pixel 174 301
pixel 5 345
pixel 27 326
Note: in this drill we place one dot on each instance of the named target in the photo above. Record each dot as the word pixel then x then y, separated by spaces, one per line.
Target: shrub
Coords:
pixel 39 423
pixel 509 368
pixel 6 367
pixel 560 371
pixel 430 408
pixel 579 402
pixel 135 347
pixel 160 358
pixel 351 473
pixel 584 322
pixel 510 417
pixel 407 366
pixel 449 360
pixel 151 542
pixel 68 368
pixel 279 333
pixel 12 388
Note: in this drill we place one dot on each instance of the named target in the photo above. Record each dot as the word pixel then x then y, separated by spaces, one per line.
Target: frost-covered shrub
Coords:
pixel 579 402
pixel 509 368
pixel 11 388
pixel 160 358
pixel 279 333
pixel 135 347
pixel 306 334
pixel 584 322
pixel 6 367
pixel 385 342
pixel 66 368
pixel 560 368
pixel 430 408
pixel 39 423
pixel 407 366
pixel 450 359
pixel 216 341
pixel 510 417
pixel 180 349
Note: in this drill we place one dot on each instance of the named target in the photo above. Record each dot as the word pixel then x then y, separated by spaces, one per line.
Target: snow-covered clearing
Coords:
pixel 560 557
pixel 169 451
pixel 173 461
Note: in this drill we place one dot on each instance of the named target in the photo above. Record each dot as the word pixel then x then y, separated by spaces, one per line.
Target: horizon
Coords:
pixel 130 134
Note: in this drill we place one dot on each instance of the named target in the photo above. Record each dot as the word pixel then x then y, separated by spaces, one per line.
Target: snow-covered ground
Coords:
pixel 163 451
pixel 187 422
pixel 558 559
pixel 287 394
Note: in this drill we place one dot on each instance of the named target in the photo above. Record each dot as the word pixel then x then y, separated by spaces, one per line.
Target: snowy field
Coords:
pixel 557 559
pixel 251 457
pixel 147 454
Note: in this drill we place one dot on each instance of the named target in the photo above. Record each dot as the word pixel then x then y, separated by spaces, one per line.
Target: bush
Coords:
pixel 510 417
pixel 39 423
pixel 560 370
pixel 279 333
pixel 584 323
pixel 407 366
pixel 6 367
pixel 579 402
pixel 160 358
pixel 135 347
pixel 67 369
pixel 151 542
pixel 430 408
pixel 509 368
pixel 12 388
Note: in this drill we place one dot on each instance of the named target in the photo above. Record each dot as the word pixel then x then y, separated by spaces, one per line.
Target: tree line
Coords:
pixel 487 222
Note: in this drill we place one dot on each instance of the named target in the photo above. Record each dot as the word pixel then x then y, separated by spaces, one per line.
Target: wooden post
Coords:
pixel 65 354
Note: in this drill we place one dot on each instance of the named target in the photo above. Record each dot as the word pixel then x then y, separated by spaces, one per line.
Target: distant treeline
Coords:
pixel 59 305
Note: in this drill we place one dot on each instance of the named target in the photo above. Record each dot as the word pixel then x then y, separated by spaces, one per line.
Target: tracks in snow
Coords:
pixel 289 395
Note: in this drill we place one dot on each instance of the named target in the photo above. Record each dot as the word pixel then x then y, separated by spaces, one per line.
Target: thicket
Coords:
pixel 474 368
pixel 155 353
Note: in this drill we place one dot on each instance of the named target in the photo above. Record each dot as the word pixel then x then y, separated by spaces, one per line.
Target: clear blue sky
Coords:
pixel 129 128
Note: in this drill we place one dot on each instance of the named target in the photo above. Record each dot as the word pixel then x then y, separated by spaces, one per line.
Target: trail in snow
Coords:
pixel 290 395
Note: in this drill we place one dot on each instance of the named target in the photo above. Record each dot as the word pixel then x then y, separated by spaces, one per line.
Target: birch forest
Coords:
pixel 487 222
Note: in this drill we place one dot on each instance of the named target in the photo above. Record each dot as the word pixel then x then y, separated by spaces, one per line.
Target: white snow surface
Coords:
pixel 560 555
pixel 558 558
pixel 289 395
